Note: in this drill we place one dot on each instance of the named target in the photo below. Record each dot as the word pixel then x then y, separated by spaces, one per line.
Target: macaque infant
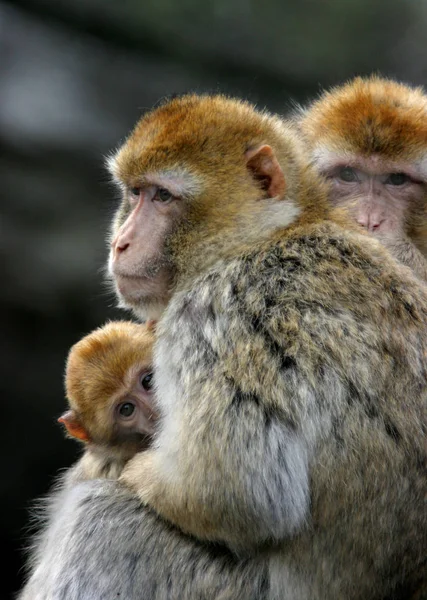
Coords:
pixel 109 383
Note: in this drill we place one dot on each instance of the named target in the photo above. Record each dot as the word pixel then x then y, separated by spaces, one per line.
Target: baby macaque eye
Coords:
pixel 126 409
pixel 135 191
pixel 163 195
pixel 347 174
pixel 397 178
pixel 147 381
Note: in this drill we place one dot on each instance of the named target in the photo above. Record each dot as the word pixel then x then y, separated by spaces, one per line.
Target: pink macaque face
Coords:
pixel 135 411
pixel 379 195
pixel 139 263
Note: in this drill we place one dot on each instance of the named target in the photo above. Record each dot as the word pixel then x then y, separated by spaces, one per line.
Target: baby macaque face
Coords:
pixel 109 385
pixel 134 412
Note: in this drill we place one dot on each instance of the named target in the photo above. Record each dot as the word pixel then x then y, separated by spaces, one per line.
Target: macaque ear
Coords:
pixel 73 426
pixel 151 324
pixel 266 170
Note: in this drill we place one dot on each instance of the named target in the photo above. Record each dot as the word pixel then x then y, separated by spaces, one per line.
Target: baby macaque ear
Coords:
pixel 151 324
pixel 73 426
pixel 266 170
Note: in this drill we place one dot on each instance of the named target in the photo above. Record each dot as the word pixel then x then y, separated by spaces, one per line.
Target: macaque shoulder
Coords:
pixel 319 294
pixel 321 266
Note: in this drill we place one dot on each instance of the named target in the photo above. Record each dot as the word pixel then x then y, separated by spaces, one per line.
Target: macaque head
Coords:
pixel 369 139
pixel 109 386
pixel 200 176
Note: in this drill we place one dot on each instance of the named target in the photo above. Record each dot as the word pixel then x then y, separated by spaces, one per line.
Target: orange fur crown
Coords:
pixel 369 116
pixel 98 366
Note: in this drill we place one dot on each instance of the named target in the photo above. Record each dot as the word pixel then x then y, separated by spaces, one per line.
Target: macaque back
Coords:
pixel 290 360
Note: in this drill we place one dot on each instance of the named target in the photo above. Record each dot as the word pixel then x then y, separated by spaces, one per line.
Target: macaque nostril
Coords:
pixel 121 248
pixel 369 223
pixel 375 225
pixel 363 221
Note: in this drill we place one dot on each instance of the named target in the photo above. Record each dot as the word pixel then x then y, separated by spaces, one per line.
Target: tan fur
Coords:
pixel 224 127
pixel 381 118
pixel 290 366
pixel 97 371
pixel 370 115
pixel 316 294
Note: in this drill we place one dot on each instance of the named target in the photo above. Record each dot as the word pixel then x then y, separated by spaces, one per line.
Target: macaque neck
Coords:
pixel 100 462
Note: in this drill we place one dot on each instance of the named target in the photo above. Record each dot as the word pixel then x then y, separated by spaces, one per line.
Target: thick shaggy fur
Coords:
pixel 380 119
pixel 291 378
pixel 369 116
pixel 98 369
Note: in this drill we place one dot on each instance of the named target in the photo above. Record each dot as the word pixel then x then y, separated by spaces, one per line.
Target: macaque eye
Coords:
pixel 347 174
pixel 397 178
pixel 147 381
pixel 126 409
pixel 163 195
pixel 135 191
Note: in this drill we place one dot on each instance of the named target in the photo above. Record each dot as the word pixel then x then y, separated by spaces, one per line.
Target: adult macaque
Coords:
pixel 369 139
pixel 290 378
pixel 109 384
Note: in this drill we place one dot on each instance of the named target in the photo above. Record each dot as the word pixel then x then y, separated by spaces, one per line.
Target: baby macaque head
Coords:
pixel 109 386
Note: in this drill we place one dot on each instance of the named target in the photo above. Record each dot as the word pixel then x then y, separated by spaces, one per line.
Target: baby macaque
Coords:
pixel 109 385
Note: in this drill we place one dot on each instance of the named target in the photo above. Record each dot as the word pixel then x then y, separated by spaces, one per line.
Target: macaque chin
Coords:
pixel 109 386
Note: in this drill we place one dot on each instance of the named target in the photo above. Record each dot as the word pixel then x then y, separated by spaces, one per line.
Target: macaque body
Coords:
pixel 290 378
pixel 108 384
pixel 369 139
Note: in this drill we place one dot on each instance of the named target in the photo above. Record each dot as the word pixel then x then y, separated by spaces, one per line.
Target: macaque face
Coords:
pixel 379 195
pixel 192 167
pixel 125 421
pixel 134 412
pixel 109 386
pixel 368 137
pixel 139 262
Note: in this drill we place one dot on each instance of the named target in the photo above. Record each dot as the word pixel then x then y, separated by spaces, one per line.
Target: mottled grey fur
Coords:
pixel 293 385
pixel 407 253
pixel 102 544
pixel 311 356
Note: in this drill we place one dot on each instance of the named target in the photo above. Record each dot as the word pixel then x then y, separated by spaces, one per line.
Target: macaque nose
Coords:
pixel 369 221
pixel 119 245
pixel 122 247
pixel 363 220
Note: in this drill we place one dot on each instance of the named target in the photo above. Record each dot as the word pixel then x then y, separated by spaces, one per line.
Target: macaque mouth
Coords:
pixel 131 284
pixel 146 273
pixel 135 283
pixel 138 291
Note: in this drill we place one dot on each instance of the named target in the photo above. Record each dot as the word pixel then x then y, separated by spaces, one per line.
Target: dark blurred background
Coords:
pixel 75 75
